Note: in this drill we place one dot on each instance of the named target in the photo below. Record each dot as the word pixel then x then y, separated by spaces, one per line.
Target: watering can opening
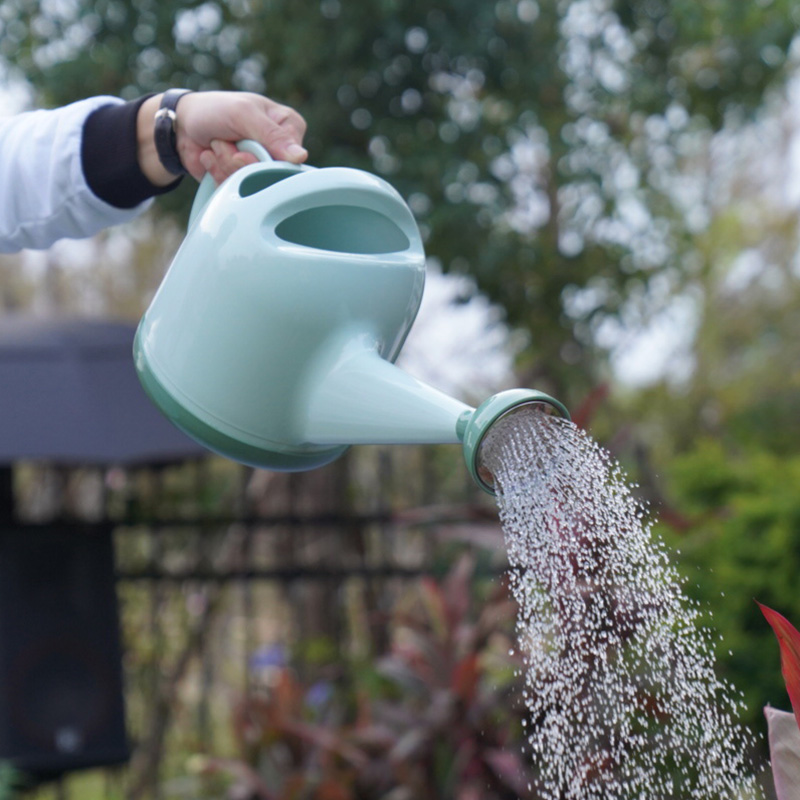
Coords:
pixel 258 181
pixel 343 229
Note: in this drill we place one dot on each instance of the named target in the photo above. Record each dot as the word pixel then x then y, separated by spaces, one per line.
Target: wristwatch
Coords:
pixel 164 133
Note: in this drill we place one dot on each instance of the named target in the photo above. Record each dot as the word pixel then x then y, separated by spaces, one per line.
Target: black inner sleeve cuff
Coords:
pixel 109 156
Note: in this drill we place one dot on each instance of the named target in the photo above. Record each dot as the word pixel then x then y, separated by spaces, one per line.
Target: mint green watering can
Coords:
pixel 273 336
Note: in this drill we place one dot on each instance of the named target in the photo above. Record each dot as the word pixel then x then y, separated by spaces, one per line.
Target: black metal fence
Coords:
pixel 222 571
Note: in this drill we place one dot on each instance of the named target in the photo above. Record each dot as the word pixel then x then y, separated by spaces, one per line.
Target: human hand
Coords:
pixel 208 126
pixel 210 123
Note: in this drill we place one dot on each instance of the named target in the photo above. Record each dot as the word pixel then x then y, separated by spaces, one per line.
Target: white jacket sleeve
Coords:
pixel 44 195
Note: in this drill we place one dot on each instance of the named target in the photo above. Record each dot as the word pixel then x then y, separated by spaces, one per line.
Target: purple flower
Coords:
pixel 268 657
pixel 318 695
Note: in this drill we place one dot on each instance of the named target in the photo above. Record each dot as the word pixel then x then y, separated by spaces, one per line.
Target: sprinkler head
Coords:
pixel 473 426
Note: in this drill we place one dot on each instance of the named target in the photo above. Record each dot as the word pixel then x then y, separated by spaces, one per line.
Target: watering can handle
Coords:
pixel 208 185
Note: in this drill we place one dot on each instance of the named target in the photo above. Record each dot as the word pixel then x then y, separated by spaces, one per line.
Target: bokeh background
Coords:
pixel 608 193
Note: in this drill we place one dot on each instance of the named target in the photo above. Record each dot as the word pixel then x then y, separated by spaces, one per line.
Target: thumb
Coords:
pixel 282 130
pixel 283 147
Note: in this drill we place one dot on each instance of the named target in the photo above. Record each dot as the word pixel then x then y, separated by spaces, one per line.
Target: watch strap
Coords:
pixel 165 131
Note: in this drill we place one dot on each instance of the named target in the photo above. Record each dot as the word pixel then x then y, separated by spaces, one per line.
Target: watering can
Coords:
pixel 273 335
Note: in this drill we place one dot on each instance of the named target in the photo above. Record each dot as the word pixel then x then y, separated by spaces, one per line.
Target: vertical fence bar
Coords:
pixel 157 592
pixel 248 611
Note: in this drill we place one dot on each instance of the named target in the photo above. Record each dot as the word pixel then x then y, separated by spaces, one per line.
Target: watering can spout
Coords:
pixel 358 397
pixel 474 431
pixel 364 399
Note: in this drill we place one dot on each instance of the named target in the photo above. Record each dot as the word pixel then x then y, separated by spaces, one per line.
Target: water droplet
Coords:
pixel 620 688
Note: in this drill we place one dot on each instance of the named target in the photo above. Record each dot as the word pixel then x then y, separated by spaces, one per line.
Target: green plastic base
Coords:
pixel 218 442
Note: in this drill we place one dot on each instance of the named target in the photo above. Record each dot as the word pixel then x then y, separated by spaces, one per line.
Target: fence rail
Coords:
pixel 218 565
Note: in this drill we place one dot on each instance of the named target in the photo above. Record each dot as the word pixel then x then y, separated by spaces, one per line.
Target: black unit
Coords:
pixel 61 696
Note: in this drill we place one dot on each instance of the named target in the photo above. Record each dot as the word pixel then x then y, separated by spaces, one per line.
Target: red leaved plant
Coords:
pixel 789 641
pixel 439 716
pixel 452 726
pixel 784 732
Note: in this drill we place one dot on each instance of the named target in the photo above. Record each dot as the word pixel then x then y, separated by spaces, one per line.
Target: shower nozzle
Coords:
pixel 473 427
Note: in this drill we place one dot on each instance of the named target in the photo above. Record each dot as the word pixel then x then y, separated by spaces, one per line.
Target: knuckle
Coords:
pixel 239 110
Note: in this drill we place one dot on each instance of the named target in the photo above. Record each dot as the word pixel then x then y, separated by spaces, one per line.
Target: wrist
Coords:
pixel 149 162
pixel 157 127
pixel 110 155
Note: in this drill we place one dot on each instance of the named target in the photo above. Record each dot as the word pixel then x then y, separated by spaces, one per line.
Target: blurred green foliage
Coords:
pixel 544 148
pixel 743 546
pixel 537 142
pixel 724 447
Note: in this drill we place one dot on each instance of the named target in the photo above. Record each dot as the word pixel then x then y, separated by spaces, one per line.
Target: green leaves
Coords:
pixel 524 126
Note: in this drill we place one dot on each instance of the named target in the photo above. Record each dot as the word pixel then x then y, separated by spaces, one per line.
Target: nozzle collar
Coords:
pixel 487 414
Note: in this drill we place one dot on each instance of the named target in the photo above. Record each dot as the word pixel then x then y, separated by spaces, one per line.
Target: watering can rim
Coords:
pixel 361 179
pixel 208 185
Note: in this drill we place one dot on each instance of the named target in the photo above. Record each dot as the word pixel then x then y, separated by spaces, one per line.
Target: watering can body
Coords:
pixel 292 289
pixel 273 335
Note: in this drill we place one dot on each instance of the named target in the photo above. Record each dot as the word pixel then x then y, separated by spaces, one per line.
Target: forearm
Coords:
pixel 70 172
pixel 45 192
pixel 115 155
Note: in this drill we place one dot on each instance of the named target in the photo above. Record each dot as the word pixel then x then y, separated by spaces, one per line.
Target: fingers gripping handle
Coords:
pixel 208 185
pixel 252 146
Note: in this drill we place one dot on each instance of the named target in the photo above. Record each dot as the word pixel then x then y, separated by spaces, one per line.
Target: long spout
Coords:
pixel 357 397
pixel 360 398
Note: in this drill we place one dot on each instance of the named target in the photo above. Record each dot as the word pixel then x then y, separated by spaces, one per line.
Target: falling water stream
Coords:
pixel 623 701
